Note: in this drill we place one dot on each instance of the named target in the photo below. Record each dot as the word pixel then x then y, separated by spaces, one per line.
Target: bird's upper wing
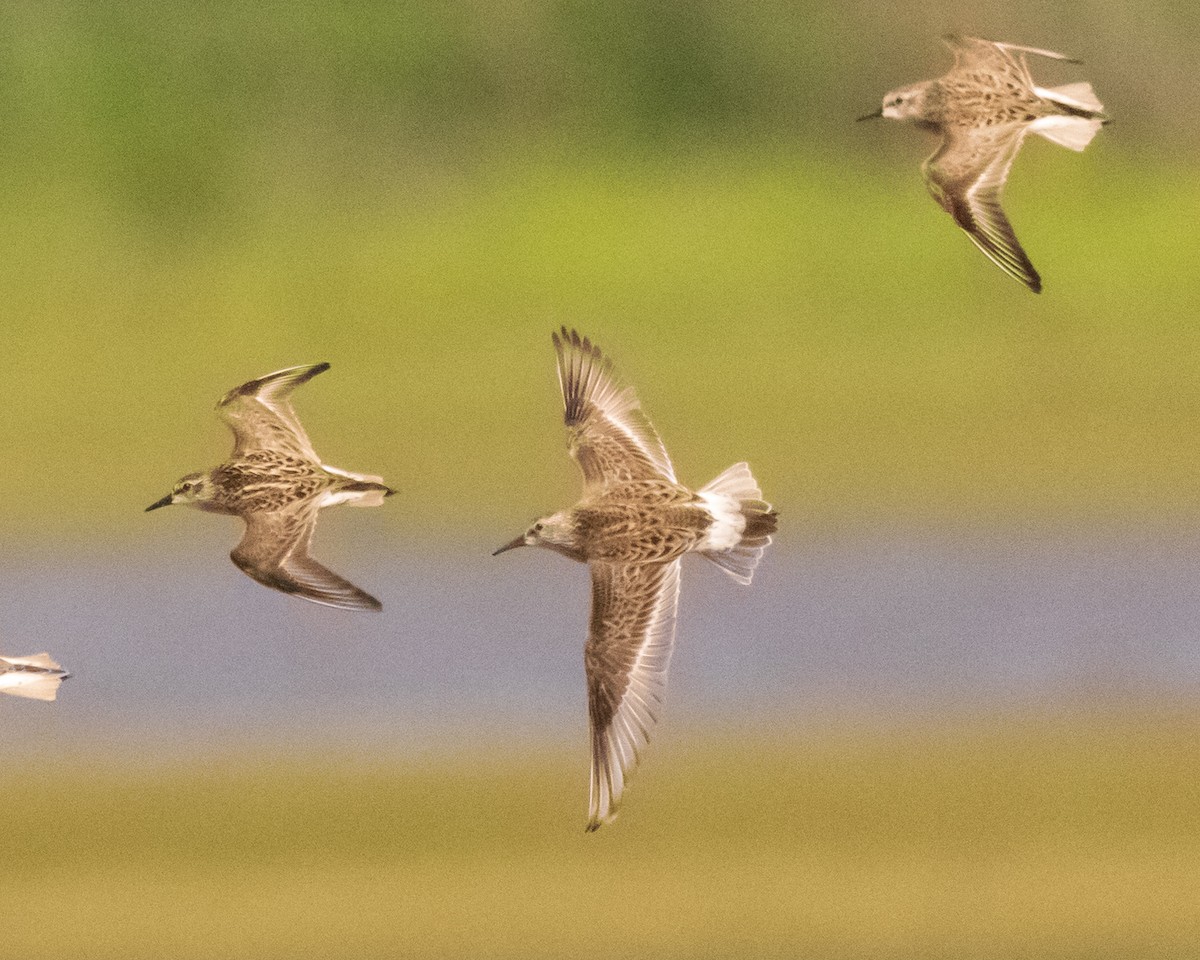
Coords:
pixel 1037 51
pixel 627 654
pixel 966 176
pixel 995 59
pixel 607 432
pixel 261 416
pixel 274 551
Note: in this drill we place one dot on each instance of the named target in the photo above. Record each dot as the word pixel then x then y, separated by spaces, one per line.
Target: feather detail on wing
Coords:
pixel 627 655
pixel 260 413
pixel 973 53
pixel 607 432
pixel 1038 51
pixel 274 551
pixel 967 176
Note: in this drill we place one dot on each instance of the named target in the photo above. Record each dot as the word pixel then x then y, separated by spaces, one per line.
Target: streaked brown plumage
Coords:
pixel 277 484
pixel 983 108
pixel 632 526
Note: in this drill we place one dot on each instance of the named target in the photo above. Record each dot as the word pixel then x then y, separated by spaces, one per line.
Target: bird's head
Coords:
pixel 556 532
pixel 194 488
pixel 906 103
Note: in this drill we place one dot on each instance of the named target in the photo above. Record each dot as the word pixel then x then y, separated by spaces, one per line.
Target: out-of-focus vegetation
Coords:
pixel 420 192
pixel 1054 836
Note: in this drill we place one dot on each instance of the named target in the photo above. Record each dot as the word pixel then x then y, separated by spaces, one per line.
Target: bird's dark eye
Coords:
pixel 537 528
pixel 185 487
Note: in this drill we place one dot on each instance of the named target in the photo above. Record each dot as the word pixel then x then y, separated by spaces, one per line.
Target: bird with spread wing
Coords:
pixel 983 108
pixel 277 484
pixel 632 527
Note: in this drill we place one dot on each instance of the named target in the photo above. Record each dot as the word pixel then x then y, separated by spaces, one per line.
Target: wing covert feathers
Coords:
pixel 260 414
pixel 607 432
pixel 275 551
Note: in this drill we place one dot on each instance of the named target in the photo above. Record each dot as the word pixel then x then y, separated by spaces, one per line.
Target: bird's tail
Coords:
pixel 742 522
pixel 366 493
pixel 1083 115
pixel 35 676
pixel 356 489
pixel 1078 96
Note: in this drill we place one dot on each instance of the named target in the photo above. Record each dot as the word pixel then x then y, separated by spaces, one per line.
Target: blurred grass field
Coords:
pixel 1062 836
pixel 828 324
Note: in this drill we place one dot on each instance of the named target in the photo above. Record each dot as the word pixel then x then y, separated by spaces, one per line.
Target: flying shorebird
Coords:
pixel 276 483
pixel 632 526
pixel 35 676
pixel 983 108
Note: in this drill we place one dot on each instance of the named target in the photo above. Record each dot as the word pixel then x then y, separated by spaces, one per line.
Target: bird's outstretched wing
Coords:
pixel 973 53
pixel 607 432
pixel 627 654
pixel 260 413
pixel 274 551
pixel 967 176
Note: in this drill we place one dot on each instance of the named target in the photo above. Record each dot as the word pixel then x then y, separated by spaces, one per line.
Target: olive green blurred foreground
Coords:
pixel 1061 836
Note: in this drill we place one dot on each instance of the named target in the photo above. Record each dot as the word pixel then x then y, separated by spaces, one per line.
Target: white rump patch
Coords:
pixel 1074 133
pixel 728 523
pixel 728 497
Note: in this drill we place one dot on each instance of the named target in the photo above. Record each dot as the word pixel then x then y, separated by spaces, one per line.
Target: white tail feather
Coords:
pixel 40 682
pixel 35 686
pixel 1074 133
pixel 736 482
pixel 1081 96
pixel 40 660
pixel 742 522
pixel 738 562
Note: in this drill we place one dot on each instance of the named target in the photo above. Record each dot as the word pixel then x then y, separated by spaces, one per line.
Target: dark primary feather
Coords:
pixel 261 416
pixel 607 432
pixel 966 176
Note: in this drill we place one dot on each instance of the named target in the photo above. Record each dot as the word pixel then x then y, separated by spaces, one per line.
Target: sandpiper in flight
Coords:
pixel 983 108
pixel 35 676
pixel 276 483
pixel 632 526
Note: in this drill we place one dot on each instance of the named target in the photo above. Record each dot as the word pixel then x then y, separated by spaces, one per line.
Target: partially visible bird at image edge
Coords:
pixel 35 676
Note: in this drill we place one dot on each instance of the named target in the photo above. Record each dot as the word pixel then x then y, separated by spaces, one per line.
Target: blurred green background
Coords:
pixel 419 193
